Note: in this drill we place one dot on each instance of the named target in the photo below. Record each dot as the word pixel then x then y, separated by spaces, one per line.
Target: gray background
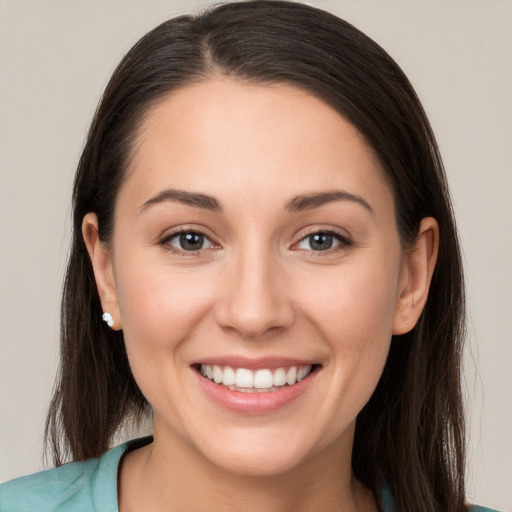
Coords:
pixel 55 59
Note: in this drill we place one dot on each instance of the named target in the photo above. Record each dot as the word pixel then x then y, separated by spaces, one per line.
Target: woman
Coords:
pixel 261 220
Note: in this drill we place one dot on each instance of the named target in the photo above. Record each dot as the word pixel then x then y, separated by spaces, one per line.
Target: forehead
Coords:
pixel 219 134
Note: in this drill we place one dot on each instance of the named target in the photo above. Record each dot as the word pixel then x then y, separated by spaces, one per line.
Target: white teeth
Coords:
pixel 229 376
pixel 303 372
pixel 263 379
pixel 217 374
pixel 291 375
pixel 244 378
pixel 249 381
pixel 279 377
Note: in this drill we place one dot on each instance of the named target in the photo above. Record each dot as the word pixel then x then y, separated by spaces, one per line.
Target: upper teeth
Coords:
pixel 258 379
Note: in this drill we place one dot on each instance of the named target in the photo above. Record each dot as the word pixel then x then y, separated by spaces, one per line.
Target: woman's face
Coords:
pixel 254 242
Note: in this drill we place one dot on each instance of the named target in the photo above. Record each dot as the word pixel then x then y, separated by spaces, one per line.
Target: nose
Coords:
pixel 254 300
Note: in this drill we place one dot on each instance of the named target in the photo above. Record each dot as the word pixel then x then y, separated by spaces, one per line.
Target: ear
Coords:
pixel 102 265
pixel 416 274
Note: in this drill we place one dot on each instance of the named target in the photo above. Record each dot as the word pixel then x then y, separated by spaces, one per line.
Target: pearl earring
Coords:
pixel 107 318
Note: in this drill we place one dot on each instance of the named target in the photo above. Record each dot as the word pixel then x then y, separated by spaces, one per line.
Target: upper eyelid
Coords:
pixel 327 230
pixel 345 241
pixel 170 236
pixel 343 237
pixel 164 242
pixel 173 232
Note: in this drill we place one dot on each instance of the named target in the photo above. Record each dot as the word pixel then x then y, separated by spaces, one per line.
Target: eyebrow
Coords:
pixel 296 204
pixel 181 196
pixel 309 201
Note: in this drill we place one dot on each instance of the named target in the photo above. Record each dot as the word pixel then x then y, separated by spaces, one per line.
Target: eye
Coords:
pixel 322 241
pixel 189 241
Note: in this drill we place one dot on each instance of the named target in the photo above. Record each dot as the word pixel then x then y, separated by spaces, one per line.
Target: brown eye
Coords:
pixel 189 241
pixel 321 241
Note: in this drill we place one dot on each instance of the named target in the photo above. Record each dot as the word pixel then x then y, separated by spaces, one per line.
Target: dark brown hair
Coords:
pixel 410 435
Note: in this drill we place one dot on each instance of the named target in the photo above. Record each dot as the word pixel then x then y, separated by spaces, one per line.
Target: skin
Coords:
pixel 258 289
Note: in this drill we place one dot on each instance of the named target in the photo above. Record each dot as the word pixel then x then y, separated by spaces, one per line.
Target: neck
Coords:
pixel 169 475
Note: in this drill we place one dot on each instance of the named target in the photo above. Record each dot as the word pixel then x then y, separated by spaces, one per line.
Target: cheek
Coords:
pixel 354 305
pixel 355 318
pixel 161 308
pixel 160 305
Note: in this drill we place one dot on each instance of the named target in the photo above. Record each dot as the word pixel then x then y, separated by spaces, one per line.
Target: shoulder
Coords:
pixel 387 503
pixel 49 490
pixel 88 485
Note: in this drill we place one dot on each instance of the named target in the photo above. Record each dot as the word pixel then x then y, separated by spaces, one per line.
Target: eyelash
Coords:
pixel 343 241
pixel 166 242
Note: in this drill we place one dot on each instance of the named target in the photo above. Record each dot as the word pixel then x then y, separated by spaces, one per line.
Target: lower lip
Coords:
pixel 254 403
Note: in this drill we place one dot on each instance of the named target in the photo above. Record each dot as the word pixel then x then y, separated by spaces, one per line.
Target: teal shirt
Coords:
pixel 89 486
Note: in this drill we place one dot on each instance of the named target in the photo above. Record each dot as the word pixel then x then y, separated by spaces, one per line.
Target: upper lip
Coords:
pixel 253 363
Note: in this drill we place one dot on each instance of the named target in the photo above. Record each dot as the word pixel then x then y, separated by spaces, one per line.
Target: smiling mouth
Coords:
pixel 263 380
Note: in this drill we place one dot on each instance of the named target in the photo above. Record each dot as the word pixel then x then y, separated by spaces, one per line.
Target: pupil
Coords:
pixel 191 241
pixel 320 241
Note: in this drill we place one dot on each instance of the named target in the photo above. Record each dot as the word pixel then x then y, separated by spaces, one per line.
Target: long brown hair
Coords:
pixel 410 435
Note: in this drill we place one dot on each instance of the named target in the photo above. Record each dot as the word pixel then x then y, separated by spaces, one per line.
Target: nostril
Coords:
pixel 253 319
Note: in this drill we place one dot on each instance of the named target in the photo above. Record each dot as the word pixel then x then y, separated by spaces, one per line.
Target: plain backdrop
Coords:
pixel 55 59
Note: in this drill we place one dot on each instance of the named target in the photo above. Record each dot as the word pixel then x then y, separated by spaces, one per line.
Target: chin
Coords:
pixel 258 464
pixel 257 453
